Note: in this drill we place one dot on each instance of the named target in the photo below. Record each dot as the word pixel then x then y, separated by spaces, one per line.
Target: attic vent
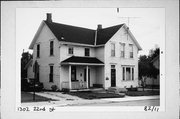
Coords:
pixel 62 38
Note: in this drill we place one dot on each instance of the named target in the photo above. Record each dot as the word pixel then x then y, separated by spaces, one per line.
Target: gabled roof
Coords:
pixel 79 35
pixel 73 34
pixel 75 59
pixel 103 35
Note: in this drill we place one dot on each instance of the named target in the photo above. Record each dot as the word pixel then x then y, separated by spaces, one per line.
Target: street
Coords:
pixel 152 102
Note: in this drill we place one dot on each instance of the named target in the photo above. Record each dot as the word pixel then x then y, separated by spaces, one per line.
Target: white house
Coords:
pixel 72 57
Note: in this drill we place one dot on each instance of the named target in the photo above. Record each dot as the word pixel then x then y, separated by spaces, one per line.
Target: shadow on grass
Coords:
pixel 142 93
pixel 95 95
pixel 28 97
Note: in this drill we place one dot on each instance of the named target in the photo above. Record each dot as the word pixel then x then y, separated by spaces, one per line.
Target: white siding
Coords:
pixel 45 59
pixel 120 37
pixel 99 53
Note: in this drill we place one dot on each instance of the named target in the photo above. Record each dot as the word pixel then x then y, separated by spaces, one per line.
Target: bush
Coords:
pixel 54 88
pixel 117 90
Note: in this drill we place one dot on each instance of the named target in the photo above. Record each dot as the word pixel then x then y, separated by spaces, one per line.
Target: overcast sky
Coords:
pixel 147 27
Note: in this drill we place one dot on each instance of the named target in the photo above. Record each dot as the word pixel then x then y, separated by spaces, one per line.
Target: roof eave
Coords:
pixel 73 63
pixel 36 35
pixel 134 39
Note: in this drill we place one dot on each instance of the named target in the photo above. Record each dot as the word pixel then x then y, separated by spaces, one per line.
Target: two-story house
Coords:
pixel 73 57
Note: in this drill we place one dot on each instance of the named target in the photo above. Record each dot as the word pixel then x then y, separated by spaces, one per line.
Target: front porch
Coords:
pixel 83 74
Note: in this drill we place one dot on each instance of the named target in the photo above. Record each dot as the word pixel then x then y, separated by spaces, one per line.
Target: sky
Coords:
pixel 146 24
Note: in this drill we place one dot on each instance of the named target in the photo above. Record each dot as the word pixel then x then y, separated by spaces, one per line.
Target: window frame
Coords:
pixel 122 50
pixel 51 48
pixel 131 53
pixel 70 49
pixel 113 47
pixel 124 73
pixel 38 51
pixel 85 52
pixel 51 72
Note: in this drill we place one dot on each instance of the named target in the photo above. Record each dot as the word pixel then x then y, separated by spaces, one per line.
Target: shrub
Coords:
pixel 117 90
pixel 54 88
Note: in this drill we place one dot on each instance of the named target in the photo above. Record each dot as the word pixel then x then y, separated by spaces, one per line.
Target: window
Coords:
pixel 123 73
pixel 122 47
pixel 38 50
pixel 131 50
pixel 87 52
pixel 127 73
pixel 112 49
pixel 70 50
pixel 51 73
pixel 51 48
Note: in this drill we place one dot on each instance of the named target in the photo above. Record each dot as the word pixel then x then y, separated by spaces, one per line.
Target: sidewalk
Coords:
pixel 68 100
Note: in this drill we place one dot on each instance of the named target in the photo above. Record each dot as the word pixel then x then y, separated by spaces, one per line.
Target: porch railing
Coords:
pixel 74 85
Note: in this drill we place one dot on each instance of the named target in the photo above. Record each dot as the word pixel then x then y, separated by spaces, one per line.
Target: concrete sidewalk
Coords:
pixel 69 100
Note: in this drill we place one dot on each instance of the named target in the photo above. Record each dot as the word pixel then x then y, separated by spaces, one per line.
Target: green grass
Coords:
pixel 28 97
pixel 142 93
pixel 95 95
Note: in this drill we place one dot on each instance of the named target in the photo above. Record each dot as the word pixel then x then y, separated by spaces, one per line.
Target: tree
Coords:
pixel 25 57
pixel 146 68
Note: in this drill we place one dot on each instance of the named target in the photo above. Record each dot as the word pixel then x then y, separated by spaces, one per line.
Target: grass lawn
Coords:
pixel 28 97
pixel 142 93
pixel 95 95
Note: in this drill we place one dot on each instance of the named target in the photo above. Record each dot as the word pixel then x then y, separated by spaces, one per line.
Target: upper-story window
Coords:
pixel 71 50
pixel 131 50
pixel 87 52
pixel 38 50
pixel 122 47
pixel 113 49
pixel 51 48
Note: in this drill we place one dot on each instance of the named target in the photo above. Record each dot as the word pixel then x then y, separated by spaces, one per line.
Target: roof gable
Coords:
pixel 103 35
pixel 73 34
pixel 78 35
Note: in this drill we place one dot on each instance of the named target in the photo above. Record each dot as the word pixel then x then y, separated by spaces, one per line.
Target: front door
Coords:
pixel 113 76
pixel 88 76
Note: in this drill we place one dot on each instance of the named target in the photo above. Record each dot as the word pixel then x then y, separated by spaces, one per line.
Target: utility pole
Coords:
pixel 128 20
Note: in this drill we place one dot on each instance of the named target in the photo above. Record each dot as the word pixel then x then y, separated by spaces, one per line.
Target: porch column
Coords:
pixel 125 73
pixel 87 76
pixel 69 76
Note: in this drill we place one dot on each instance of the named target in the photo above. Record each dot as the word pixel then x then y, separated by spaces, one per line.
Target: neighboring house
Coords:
pixel 156 64
pixel 73 57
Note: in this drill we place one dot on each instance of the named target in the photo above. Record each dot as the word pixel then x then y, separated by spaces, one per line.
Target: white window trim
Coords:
pixel 68 50
pixel 114 49
pixel 85 52
pixel 131 67
pixel 131 51
pixel 122 50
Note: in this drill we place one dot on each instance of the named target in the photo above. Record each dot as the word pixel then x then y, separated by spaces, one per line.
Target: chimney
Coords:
pixel 99 26
pixel 49 17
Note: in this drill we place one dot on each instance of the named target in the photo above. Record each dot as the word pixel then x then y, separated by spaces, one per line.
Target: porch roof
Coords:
pixel 74 60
